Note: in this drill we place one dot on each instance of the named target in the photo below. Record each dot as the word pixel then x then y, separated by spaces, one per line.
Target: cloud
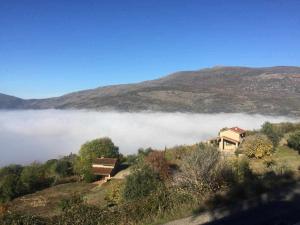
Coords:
pixel 31 135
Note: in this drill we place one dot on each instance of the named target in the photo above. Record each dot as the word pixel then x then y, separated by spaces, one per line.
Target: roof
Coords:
pixel 230 139
pixel 105 161
pixel 101 171
pixel 237 130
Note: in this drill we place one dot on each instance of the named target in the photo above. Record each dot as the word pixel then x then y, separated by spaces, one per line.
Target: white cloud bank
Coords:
pixel 30 135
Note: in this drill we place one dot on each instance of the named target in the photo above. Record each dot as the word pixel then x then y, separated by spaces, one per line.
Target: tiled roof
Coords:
pixel 237 130
pixel 101 171
pixel 105 161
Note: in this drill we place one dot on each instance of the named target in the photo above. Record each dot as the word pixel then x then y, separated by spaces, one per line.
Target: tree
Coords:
pixel 202 171
pixel 272 133
pixel 91 150
pixel 140 184
pixel 63 168
pixel 33 177
pixel 294 141
pixel 257 146
pixel 10 185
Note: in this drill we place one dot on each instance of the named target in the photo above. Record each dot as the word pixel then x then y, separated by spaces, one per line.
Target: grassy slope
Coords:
pixel 46 202
pixel 283 156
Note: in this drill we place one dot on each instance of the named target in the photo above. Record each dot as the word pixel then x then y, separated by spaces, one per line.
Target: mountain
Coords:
pixel 269 90
pixel 10 102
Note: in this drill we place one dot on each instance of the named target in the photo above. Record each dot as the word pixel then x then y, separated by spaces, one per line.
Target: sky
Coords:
pixel 52 47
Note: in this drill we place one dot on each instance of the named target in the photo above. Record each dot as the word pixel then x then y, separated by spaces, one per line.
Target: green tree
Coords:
pixel 10 185
pixel 272 133
pixel 33 177
pixel 294 141
pixel 63 168
pixel 102 147
pixel 50 167
pixel 140 184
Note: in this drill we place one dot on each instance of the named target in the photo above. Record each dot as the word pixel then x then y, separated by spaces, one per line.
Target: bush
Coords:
pixel 202 172
pixel 257 146
pixel 10 187
pixel 33 178
pixel 140 184
pixel 67 203
pixel 18 219
pixel 241 170
pixel 16 180
pixel 114 194
pixel 294 141
pixel 272 133
pixel 156 160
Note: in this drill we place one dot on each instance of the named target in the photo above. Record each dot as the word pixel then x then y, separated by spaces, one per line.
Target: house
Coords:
pixel 105 167
pixel 230 138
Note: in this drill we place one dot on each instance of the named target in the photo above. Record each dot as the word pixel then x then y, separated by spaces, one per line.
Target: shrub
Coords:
pixel 67 203
pixel 241 170
pixel 19 219
pixel 202 172
pixel 269 162
pixel 33 177
pixel 294 141
pixel 272 133
pixel 156 160
pixel 257 146
pixel 140 184
pixel 114 194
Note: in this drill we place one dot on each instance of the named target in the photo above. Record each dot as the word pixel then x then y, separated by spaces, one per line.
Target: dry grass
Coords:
pixel 96 196
pixel 283 156
pixel 45 202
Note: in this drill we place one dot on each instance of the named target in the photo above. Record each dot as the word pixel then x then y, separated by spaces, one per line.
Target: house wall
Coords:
pixel 102 166
pixel 230 134
pixel 227 146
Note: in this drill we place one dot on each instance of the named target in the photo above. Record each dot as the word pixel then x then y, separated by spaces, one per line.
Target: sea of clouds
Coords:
pixel 39 135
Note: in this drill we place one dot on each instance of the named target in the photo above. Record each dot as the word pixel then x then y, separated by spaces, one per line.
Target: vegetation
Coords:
pixel 157 161
pixel 294 141
pixel 140 183
pixel 163 185
pixel 272 133
pixel 202 172
pixel 102 147
pixel 257 146
pixel 17 180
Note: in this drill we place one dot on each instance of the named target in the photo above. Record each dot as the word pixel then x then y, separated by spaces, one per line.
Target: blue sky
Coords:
pixel 51 47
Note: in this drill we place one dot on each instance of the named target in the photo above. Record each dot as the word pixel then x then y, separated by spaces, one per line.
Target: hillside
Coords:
pixel 270 90
pixel 10 102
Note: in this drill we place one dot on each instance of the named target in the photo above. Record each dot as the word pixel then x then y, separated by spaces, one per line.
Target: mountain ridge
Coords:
pixel 266 90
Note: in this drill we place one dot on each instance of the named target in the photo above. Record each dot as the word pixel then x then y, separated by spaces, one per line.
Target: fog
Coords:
pixel 31 135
